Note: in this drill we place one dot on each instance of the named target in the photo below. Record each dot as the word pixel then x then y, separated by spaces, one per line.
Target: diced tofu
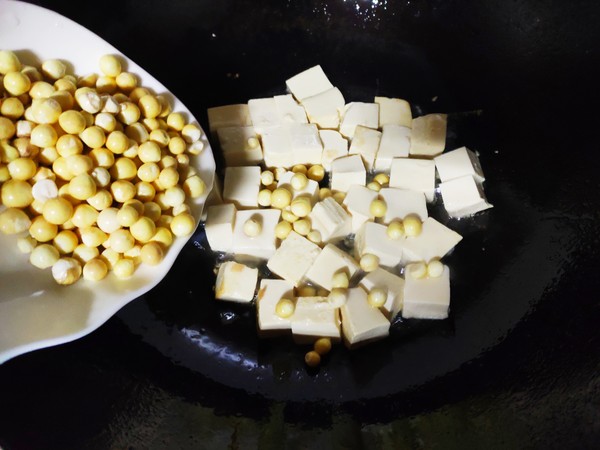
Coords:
pixel 458 163
pixel 358 113
pixel 331 220
pixel 361 322
pixel 311 190
pixel 347 171
pixel 242 185
pixel 315 317
pixel 236 282
pixel 263 244
pixel 358 202
pixel 289 111
pixel 402 202
pixel 306 143
pixel 269 294
pixel 434 241
pixel 428 136
pixel 264 114
pixel 415 175
pixel 427 298
pixel 334 146
pixel 393 284
pixel 330 261
pixel 228 116
pixel 365 143
pixel 372 238
pixel 395 143
pixel 463 196
pixel 293 258
pixel 240 146
pixel 219 227
pixel 277 147
pixel 323 109
pixel 310 82
pixel 394 111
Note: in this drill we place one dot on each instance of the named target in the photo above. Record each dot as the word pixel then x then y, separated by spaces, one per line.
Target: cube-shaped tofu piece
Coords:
pixel 293 258
pixel 323 109
pixel 463 196
pixel 241 186
pixel 311 190
pixel 334 146
pixel 347 171
pixel 277 147
pixel 262 245
pixel 228 116
pixel 219 226
pixel 269 294
pixel 264 114
pixel 330 261
pixel 428 297
pixel 394 111
pixel 310 82
pixel 236 282
pixel 358 202
pixel 362 323
pixel 434 241
pixel 372 239
pixel 415 175
pixel 331 220
pixel 289 110
pixel 395 143
pixel 240 146
pixel 365 143
pixel 428 136
pixel 401 203
pixel 389 282
pixel 358 113
pixel 306 143
pixel 458 163
pixel 315 317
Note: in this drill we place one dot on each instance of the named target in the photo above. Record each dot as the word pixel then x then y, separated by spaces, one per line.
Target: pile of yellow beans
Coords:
pixel 94 171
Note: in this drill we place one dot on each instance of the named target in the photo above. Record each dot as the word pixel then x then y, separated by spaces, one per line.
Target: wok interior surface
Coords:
pixel 520 349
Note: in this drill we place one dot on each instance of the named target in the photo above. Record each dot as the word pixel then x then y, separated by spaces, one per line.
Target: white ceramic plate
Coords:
pixel 34 311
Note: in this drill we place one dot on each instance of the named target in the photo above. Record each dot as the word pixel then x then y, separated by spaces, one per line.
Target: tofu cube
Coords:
pixel 269 294
pixel 428 136
pixel 362 323
pixel 334 146
pixel 240 146
pixel 458 163
pixel 394 111
pixel 311 190
pixel 228 116
pixel 323 109
pixel 310 82
pixel 306 143
pixel 372 238
pixel 358 113
pixel 389 282
pixel 395 143
pixel 358 202
pixel 463 196
pixel 264 114
pixel 347 171
pixel 314 317
pixel 330 261
pixel 293 258
pixel 236 282
pixel 427 298
pixel 219 227
pixel 277 147
pixel 241 186
pixel 415 175
pixel 288 110
pixel 434 241
pixel 402 202
pixel 263 244
pixel 365 143
pixel 331 220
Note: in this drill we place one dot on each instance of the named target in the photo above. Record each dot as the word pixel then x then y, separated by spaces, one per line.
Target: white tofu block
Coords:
pixel 347 171
pixel 358 202
pixel 358 113
pixel 331 220
pixel 428 136
pixel 427 298
pixel 311 190
pixel 457 163
pixel 310 82
pixel 330 261
pixel 365 143
pixel 277 147
pixel 401 203
pixel 372 238
pixel 389 282
pixel 394 111
pixel 395 143
pixel 463 196
pixel 306 143
pixel 269 294
pixel 415 175
pixel 323 109
pixel 241 186
pixel 293 258
pixel 219 227
pixel 236 282
pixel 334 146
pixel 262 245
pixel 360 321
pixel 240 146
pixel 264 114
pixel 228 116
pixel 315 317
pixel 434 241
pixel 289 110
